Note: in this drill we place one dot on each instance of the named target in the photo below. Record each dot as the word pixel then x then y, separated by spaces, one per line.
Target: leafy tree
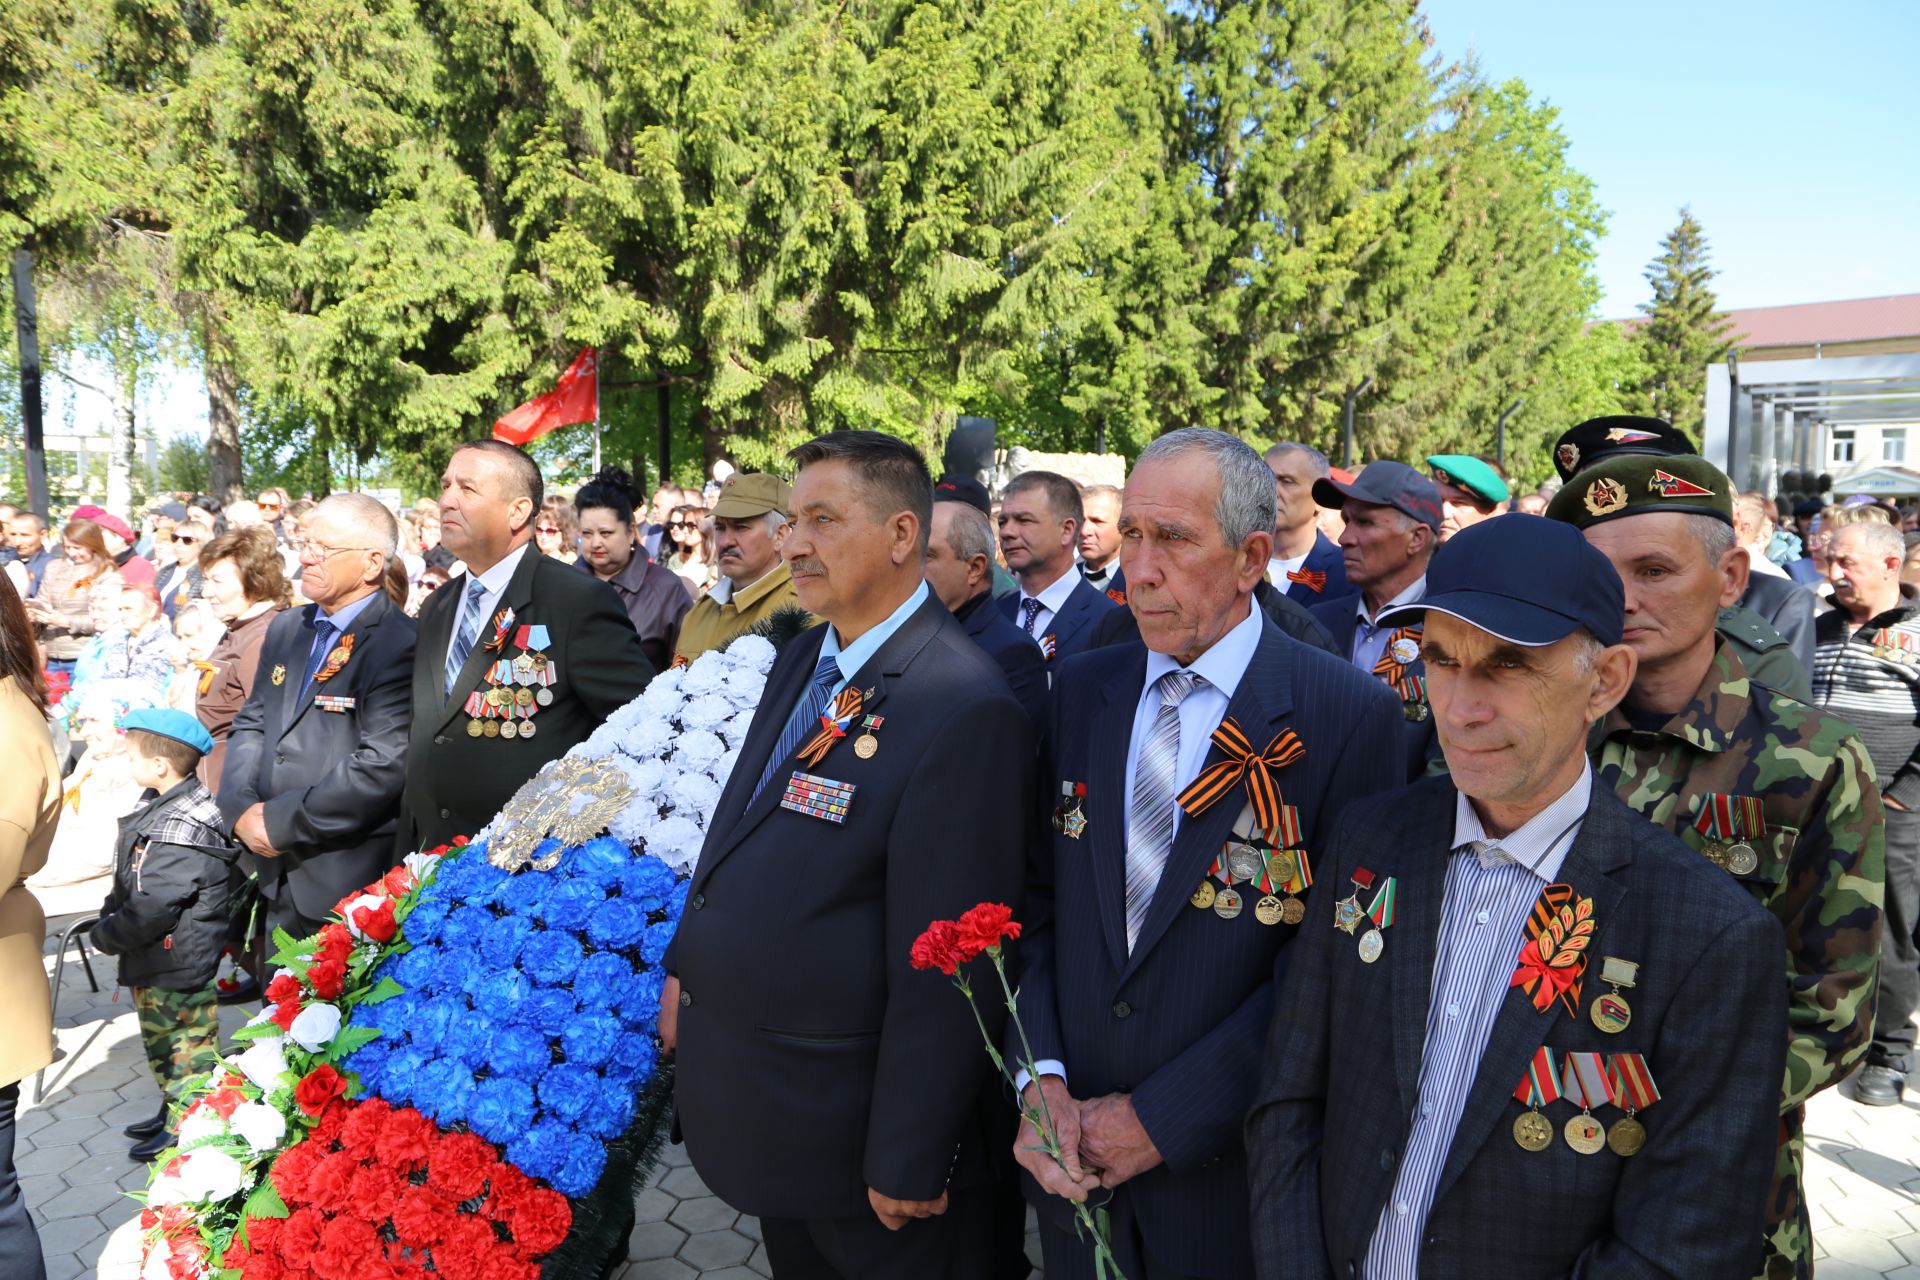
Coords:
pixel 1683 332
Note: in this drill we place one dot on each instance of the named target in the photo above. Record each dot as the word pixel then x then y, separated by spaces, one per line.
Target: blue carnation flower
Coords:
pixel 500 995
pixel 589 1039
pixel 548 1010
pixel 444 1090
pixel 634 1062
pixel 541 1151
pixel 469 1041
pixel 518 1051
pixel 501 1109
pixel 465 874
pixel 610 1114
pixel 585 1160
pixel 453 969
pixel 370 1060
pixel 602 979
pixel 653 948
pixel 411 970
pixel 426 921
pixel 401 1074
pixel 502 938
pixel 648 881
pixel 568 1091
pixel 551 957
pixel 601 861
pixel 426 1022
pixel 567 906
pixel 618 923
pixel 466 926
pixel 677 901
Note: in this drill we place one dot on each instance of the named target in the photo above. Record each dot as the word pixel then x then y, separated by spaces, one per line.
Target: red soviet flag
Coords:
pixel 575 398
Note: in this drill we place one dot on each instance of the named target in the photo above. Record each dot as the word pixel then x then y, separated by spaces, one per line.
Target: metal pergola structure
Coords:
pixel 1765 417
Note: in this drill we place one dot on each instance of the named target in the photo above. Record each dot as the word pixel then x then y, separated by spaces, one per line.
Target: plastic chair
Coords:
pixel 75 936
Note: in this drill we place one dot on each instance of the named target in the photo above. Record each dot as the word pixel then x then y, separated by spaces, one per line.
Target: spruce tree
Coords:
pixel 1683 332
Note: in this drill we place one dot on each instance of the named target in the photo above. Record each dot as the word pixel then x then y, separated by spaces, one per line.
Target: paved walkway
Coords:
pixel 1863 1171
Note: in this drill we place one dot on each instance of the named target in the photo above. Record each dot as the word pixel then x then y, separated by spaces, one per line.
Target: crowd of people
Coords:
pixel 1606 790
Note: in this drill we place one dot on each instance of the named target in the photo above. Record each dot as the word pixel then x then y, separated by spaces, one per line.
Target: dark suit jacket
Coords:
pixel 330 780
pixel 1324 558
pixel 456 783
pixel 1179 1021
pixel 1017 656
pixel 1420 746
pixel 813 1061
pixel 1342 1073
pixel 1789 607
pixel 1121 627
pixel 1116 582
pixel 1072 627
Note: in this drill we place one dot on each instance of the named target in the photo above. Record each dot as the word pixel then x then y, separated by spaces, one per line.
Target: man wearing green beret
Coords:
pixel 1471 490
pixel 1777 794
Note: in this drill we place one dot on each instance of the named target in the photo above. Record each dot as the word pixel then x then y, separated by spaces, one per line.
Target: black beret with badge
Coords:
pixel 1580 447
pixel 1627 484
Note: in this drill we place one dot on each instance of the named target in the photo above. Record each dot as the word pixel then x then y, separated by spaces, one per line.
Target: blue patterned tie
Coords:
pixel 1029 610
pixel 1150 816
pixel 323 632
pixel 465 634
pixel 806 718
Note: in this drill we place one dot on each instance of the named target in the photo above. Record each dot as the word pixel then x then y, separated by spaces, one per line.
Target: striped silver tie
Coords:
pixel 467 632
pixel 1150 818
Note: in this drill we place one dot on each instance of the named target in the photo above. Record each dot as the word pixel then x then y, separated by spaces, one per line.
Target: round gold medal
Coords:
pixel 1281 866
pixel 1715 852
pixel 1292 911
pixel 475 729
pixel 1226 904
pixel 1372 946
pixel 865 746
pixel 1742 860
pixel 492 728
pixel 1611 1014
pixel 509 729
pixel 1203 896
pixel 1533 1131
pixel 523 697
pixel 1627 1137
pixel 1586 1135
pixel 1268 910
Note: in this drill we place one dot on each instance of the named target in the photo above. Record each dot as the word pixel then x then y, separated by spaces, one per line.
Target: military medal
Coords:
pixel 866 746
pixel 1727 824
pixel 1068 820
pixel 1269 910
pixel 1539 1087
pixel 1610 1012
pixel 508 729
pixel 1413 699
pixel 1203 896
pixel 1404 650
pixel 1584 1083
pixel 1372 943
pixel 1244 860
pixel 491 728
pixel 1347 913
pixel 1633 1092
pixel 834 723
pixel 475 729
pixel 335 660
pixel 1226 904
pixel 1555 953
pixel 279 673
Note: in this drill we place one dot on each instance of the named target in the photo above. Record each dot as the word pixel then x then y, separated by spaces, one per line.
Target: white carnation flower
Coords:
pixel 647 738
pixel 259 1124
pixel 735 730
pixel 676 841
pixel 707 676
pixel 648 776
pixel 753 652
pixel 201 1123
pixel 264 1062
pixel 663 691
pixel 698 750
pixel 723 767
pixel 744 687
pixel 708 712
pixel 694 795
pixel 315 1025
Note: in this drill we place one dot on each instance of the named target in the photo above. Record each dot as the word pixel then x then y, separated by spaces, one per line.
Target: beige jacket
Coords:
pixel 29 812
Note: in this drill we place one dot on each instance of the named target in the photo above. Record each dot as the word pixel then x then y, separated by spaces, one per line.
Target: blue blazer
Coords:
pixel 1324 558
pixel 1342 1074
pixel 1178 1021
pixel 1117 581
pixel 1072 627
pixel 1016 655
pixel 1419 746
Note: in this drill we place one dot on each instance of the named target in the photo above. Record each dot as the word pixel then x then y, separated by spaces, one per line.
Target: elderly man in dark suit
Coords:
pixel 311 781
pixel 1196 778
pixel 1535 1035
pixel 1040 517
pixel 823 1083
pixel 521 656
pixel 1305 563
pixel 960 571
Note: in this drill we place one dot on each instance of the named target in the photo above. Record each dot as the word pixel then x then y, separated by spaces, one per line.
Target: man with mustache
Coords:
pixel 749 520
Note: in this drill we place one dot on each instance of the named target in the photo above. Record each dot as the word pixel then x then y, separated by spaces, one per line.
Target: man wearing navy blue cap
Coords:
pixel 1504 973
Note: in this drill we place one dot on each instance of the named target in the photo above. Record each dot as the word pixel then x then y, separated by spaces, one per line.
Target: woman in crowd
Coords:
pixel 245 581
pixel 63 608
pixel 556 533
pixel 691 532
pixel 197 633
pixel 133 642
pixel 29 814
pixel 610 551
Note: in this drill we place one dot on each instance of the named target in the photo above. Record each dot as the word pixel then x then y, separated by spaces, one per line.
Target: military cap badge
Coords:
pixel 1604 497
pixel 1668 485
pixel 1568 456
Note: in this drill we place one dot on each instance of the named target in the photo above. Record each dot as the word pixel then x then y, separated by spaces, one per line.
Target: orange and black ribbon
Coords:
pixel 207 671
pixel 1313 580
pixel 1118 597
pixel 1394 671
pixel 1243 763
pixel 335 660
pixel 833 726
pixel 1555 954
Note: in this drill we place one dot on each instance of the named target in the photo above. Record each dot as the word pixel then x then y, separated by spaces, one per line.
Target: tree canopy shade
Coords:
pixel 384 222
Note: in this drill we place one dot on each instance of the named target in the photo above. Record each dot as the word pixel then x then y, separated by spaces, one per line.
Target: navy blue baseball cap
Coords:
pixel 1385 484
pixel 1526 579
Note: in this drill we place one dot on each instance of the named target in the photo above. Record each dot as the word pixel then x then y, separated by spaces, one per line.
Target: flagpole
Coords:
pixel 596 413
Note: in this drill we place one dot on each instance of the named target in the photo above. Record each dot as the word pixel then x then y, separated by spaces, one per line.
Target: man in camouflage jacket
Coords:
pixel 1778 794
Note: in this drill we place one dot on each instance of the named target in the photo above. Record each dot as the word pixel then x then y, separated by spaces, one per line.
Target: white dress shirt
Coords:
pixel 494 581
pixel 1052 598
pixel 1101 577
pixel 1277 570
pixel 1220 669
pixel 1370 641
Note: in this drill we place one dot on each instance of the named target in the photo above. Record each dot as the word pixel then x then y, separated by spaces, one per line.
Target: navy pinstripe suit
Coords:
pixel 1341 1080
pixel 1178 1022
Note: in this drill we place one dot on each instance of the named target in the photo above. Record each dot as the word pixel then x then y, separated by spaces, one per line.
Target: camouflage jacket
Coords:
pixel 1767 655
pixel 1822 872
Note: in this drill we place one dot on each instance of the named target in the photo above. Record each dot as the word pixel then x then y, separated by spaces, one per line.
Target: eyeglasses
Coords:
pixel 546 529
pixel 315 552
pixel 268 506
pixel 189 538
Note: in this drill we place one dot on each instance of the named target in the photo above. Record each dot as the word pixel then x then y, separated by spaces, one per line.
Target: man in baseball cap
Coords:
pixel 1471 490
pixel 749 519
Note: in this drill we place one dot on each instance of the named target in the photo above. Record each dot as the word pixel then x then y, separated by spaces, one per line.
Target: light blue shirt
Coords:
pixel 1482 928
pixel 855 655
pixel 1370 641
pixel 340 621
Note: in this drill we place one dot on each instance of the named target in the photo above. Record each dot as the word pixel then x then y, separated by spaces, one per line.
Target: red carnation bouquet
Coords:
pixel 947 945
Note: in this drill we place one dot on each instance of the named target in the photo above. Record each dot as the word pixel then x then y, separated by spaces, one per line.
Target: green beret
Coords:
pixel 1629 484
pixel 1466 472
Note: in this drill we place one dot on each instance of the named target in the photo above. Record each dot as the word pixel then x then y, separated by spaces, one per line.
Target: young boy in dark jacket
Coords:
pixel 166 917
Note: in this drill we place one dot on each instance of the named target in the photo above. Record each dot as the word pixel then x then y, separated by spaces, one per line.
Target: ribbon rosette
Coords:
pixel 335 660
pixel 502 623
pixel 1555 955
pixel 833 725
pixel 1390 668
pixel 1313 580
pixel 1243 763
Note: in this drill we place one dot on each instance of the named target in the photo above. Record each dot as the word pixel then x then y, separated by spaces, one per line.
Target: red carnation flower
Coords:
pixel 460 1163
pixel 405 1140
pixel 420 1217
pixel 283 988
pixel 326 1130
pixel 329 978
pixel 460 842
pixel 509 1186
pixel 365 1120
pixel 398 882
pixel 982 927
pixel 504 1266
pixel 300 1233
pixel 292 1172
pixel 322 1085
pixel 467 1242
pixel 347 1244
pixel 539 1220
pixel 330 1186
pixel 939 948
pixel 284 1014
pixel 376 922
pixel 376 1184
pixel 335 944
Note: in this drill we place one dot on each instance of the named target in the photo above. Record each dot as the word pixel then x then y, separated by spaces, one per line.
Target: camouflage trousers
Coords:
pixel 1789 1254
pixel 181 1033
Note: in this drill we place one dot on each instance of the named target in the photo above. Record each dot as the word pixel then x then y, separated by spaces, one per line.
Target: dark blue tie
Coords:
pixel 806 718
pixel 323 633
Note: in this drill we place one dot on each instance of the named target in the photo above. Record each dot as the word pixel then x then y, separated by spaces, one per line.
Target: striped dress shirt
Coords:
pixel 1482 926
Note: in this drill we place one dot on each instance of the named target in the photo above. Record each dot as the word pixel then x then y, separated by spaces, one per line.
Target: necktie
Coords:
pixel 323 633
pixel 1490 854
pixel 466 633
pixel 1029 610
pixel 805 719
pixel 1150 817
